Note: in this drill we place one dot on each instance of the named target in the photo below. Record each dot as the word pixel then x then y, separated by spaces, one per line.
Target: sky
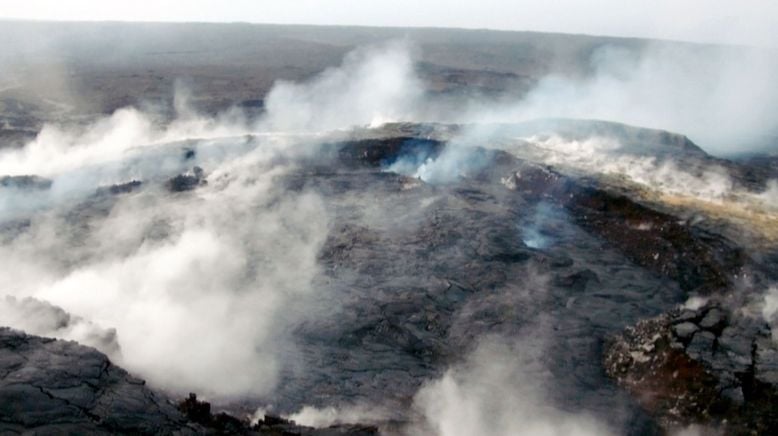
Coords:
pixel 751 22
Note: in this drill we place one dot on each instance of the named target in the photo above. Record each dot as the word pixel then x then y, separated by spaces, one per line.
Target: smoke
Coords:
pixel 695 302
pixel 500 389
pixel 770 195
pixel 59 149
pixel 40 318
pixel 534 234
pixel 321 418
pixel 721 97
pixel 770 306
pixel 199 287
pixel 697 430
pixel 196 289
pixel 372 86
pixel 724 99
pixel 460 158
pixel 607 156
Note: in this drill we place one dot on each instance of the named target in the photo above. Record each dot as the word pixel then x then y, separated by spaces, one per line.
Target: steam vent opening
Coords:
pixel 210 225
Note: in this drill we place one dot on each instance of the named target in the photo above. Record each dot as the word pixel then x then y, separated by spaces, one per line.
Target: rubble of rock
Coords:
pixel 711 366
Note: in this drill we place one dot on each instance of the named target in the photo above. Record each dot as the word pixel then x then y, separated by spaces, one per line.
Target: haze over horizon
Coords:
pixel 749 22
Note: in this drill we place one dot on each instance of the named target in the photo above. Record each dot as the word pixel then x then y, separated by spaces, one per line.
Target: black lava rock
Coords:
pixel 187 181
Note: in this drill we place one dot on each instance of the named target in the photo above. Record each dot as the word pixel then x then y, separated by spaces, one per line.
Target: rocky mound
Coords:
pixel 711 366
pixel 50 386
pixel 57 387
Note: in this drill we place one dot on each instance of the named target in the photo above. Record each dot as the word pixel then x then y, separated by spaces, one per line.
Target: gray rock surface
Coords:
pixel 724 375
pixel 685 330
pixel 51 386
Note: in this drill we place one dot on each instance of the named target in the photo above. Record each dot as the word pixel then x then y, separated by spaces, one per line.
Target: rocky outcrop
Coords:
pixel 51 386
pixel 187 181
pixel 710 365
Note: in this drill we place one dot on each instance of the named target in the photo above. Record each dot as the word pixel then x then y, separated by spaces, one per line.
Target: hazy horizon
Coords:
pixel 715 22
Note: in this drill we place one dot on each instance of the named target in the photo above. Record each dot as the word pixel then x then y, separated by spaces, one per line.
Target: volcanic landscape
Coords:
pixel 256 229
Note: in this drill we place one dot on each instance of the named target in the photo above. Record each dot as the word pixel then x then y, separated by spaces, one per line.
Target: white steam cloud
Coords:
pixel 725 100
pixel 602 155
pixel 499 390
pixel 58 149
pixel 325 417
pixel 44 319
pixel 770 306
pixel 198 286
pixel 455 161
pixel 373 86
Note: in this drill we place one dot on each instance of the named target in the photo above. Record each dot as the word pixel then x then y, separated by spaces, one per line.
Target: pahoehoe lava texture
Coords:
pixel 413 296
pixel 51 386
pixel 57 387
pixel 413 274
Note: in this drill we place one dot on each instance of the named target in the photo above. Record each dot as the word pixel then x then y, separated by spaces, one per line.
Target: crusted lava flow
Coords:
pixel 413 274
